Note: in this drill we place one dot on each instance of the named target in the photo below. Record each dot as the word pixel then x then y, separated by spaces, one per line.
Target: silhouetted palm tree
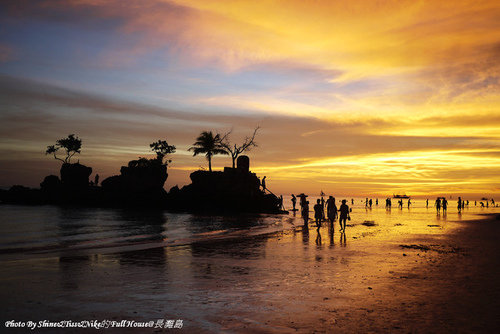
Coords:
pixel 210 145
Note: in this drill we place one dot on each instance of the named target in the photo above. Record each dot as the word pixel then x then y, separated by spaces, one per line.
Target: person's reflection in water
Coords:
pixel 330 235
pixel 343 239
pixel 318 238
pixel 305 234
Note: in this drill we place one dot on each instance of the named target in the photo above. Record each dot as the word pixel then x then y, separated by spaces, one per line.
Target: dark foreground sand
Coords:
pixel 290 282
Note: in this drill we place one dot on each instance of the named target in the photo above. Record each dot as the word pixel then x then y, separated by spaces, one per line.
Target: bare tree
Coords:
pixel 235 150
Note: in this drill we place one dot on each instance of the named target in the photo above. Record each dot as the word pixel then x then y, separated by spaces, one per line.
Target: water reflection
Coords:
pixel 70 268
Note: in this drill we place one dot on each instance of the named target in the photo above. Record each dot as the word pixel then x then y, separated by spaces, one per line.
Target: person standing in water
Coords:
pixel 318 213
pixel 459 205
pixel 294 201
pixel 344 215
pixel 331 209
pixel 438 205
pixel 445 205
pixel 305 212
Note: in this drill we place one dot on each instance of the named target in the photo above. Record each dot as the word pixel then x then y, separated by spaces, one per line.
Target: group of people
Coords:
pixel 332 212
pixel 442 202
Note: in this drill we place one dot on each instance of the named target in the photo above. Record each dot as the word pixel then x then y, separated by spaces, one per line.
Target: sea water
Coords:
pixel 46 230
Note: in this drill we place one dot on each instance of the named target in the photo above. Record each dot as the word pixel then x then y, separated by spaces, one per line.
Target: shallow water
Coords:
pixel 51 230
pixel 226 275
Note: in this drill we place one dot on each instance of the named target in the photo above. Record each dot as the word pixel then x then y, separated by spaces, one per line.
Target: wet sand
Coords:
pixel 296 281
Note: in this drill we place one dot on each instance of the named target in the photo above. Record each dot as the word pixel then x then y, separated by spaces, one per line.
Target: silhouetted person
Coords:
pixel 344 215
pixel 96 180
pixel 370 202
pixel 459 204
pixel 323 208
pixel 400 204
pixel 318 213
pixel 264 184
pixel 331 209
pixel 445 205
pixel 427 203
pixel 302 202
pixel 305 212
pixel 437 204
pixel 409 203
pixel 294 201
pixel 376 201
pixel 352 201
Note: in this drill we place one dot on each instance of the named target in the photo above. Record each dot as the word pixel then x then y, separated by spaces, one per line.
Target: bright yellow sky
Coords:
pixel 354 98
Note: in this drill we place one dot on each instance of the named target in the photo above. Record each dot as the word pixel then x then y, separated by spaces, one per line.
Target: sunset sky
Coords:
pixel 365 98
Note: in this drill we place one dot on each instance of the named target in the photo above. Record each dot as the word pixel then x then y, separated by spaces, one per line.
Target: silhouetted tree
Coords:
pixel 72 145
pixel 162 149
pixel 210 145
pixel 235 150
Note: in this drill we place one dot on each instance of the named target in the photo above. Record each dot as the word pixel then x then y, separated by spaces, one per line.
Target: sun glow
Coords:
pixel 365 97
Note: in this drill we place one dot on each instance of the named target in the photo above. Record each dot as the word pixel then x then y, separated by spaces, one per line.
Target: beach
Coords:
pixel 438 276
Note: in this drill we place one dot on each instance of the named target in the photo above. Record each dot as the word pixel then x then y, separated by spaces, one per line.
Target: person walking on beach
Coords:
pixel 344 215
pixel 294 201
pixel 445 205
pixel 318 213
pixel 331 209
pixel 437 204
pixel 459 205
pixel 305 212
pixel 409 203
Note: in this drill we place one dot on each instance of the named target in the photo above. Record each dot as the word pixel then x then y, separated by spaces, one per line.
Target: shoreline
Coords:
pixel 289 281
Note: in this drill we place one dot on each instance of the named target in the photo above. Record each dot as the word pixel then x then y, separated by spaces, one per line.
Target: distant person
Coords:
pixel 294 202
pixel 409 203
pixel 331 209
pixel 376 201
pixel 302 202
pixel 459 207
pixel 427 203
pixel 344 215
pixel 323 208
pixel 437 204
pixel 400 204
pixel 263 184
pixel 445 205
pixel 318 213
pixel 352 201
pixel 96 180
pixel 305 212
pixel 370 202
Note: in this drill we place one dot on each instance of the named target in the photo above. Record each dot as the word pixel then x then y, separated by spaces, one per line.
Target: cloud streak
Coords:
pixel 369 93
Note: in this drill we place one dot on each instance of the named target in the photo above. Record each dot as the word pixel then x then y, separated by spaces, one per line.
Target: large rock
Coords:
pixel 234 190
pixel 137 185
pixel 75 176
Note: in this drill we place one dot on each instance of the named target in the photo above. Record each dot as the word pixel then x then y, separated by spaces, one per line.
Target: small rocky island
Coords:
pixel 141 184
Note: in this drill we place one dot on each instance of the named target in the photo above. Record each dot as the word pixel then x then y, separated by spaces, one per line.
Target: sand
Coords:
pixel 296 281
